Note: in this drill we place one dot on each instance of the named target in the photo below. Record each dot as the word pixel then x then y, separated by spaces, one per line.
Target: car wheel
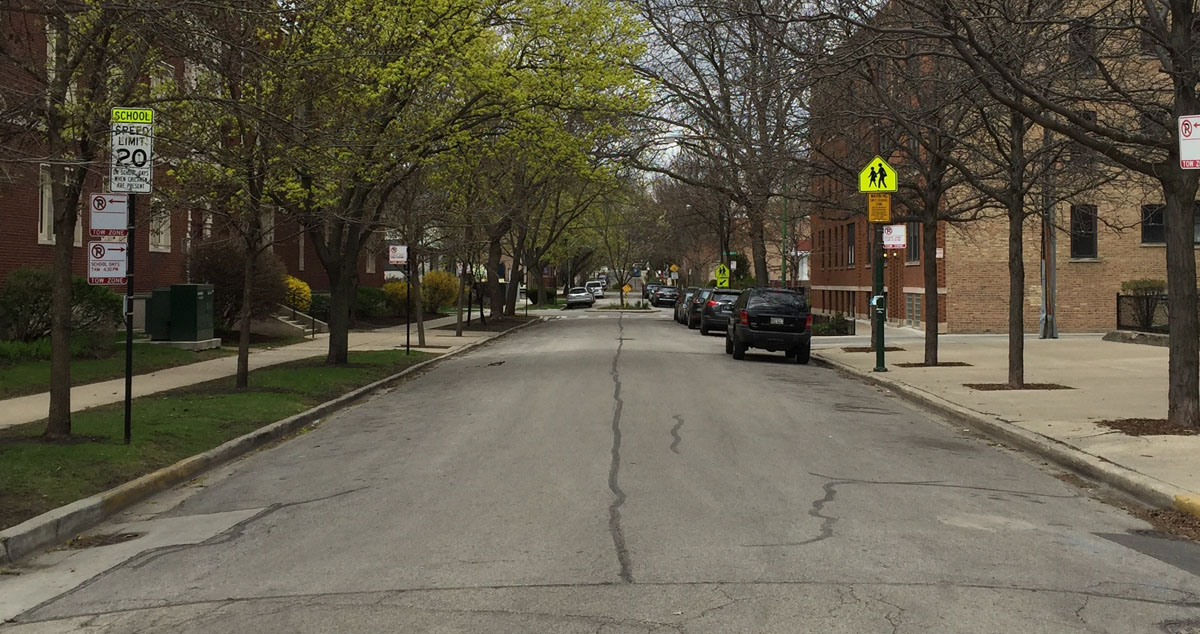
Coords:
pixel 728 344
pixel 804 353
pixel 739 350
pixel 789 353
pixel 691 323
pixel 703 327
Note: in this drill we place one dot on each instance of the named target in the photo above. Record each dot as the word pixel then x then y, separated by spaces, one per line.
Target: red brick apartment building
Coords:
pixel 1091 262
pixel 165 233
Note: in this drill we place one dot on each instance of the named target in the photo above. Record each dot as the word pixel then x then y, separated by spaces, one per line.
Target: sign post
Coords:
pixel 878 181
pixel 1189 142
pixel 131 170
pixel 398 254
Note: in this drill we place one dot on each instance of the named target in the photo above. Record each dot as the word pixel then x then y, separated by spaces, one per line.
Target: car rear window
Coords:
pixel 724 297
pixel 778 300
pixel 579 290
pixel 668 290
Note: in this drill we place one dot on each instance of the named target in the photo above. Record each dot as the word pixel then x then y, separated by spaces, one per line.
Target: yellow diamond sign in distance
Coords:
pixel 674 268
pixel 879 208
pixel 627 288
pixel 877 178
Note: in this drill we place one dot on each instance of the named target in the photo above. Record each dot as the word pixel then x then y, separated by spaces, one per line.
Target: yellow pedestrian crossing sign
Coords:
pixel 721 274
pixel 877 178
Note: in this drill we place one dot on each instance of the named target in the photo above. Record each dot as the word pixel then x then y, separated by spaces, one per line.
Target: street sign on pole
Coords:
pixel 877 178
pixel 879 208
pixel 131 166
pixel 721 274
pixel 109 215
pixel 895 236
pixel 1189 142
pixel 397 254
pixel 106 263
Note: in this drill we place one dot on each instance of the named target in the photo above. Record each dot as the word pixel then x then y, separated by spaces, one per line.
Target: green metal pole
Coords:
pixel 877 332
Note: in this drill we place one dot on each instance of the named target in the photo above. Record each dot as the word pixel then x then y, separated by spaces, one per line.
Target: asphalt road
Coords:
pixel 609 474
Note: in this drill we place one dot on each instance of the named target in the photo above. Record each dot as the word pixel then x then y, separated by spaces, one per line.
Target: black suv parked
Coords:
pixel 770 319
pixel 664 296
pixel 715 313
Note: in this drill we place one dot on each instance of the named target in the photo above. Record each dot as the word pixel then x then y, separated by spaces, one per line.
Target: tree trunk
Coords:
pixel 418 302
pixel 249 270
pixel 931 316
pixel 1016 294
pixel 758 244
pixel 511 291
pixel 462 287
pixel 341 290
pixel 495 295
pixel 58 424
pixel 1016 250
pixel 1183 390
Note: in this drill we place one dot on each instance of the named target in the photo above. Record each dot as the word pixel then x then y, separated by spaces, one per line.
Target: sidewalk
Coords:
pixel 27 409
pixel 1109 381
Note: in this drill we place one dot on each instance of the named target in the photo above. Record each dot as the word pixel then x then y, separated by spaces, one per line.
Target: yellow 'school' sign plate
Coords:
pixel 132 115
pixel 877 178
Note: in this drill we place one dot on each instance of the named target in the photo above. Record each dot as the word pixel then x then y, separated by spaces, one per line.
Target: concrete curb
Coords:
pixel 1142 487
pixel 63 523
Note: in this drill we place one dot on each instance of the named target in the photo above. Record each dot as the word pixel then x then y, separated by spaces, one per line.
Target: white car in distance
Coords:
pixel 596 288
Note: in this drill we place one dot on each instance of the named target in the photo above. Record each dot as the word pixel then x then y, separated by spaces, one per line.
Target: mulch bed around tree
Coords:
pixel 1147 427
pixel 493 325
pixel 1000 387
pixel 870 349
pixel 939 364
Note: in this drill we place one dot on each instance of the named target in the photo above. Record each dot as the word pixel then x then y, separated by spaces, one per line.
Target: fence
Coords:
pixel 1143 313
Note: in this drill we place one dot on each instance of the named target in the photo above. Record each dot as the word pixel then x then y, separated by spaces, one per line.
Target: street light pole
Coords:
pixel 784 249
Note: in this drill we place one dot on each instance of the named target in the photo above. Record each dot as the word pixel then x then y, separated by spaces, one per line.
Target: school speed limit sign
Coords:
pixel 131 165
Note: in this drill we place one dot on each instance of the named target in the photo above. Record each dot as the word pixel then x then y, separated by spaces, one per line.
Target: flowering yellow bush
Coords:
pixel 299 295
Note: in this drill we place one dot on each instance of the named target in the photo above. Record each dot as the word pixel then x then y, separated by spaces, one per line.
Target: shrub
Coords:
pixel 222 262
pixel 395 294
pixel 1144 287
pixel 298 295
pixel 320 306
pixel 370 302
pixel 438 288
pixel 25 307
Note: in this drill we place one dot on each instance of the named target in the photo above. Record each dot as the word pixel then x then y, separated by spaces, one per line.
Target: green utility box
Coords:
pixel 183 312
pixel 158 315
pixel 191 312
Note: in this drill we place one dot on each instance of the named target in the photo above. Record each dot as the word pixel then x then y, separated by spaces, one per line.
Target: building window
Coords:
pixel 300 258
pixel 160 226
pixel 1153 225
pixel 912 309
pixel 912 250
pixel 370 263
pixel 268 229
pixel 1083 231
pixel 850 245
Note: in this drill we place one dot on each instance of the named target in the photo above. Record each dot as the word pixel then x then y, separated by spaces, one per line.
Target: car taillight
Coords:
pixel 744 318
pixel 711 303
pixel 808 322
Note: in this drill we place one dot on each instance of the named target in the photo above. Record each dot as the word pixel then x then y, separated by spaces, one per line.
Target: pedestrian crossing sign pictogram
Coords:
pixel 877 178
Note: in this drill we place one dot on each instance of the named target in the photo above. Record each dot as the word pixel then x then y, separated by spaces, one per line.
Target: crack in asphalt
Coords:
pixel 675 433
pixel 943 484
pixel 818 506
pixel 1188 600
pixel 614 469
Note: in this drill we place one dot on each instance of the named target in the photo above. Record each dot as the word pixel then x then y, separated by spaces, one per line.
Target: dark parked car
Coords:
pixel 714 315
pixel 770 319
pixel 683 301
pixel 648 290
pixel 691 315
pixel 665 296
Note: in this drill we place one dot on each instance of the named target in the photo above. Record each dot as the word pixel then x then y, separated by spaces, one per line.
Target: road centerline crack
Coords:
pixel 614 469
